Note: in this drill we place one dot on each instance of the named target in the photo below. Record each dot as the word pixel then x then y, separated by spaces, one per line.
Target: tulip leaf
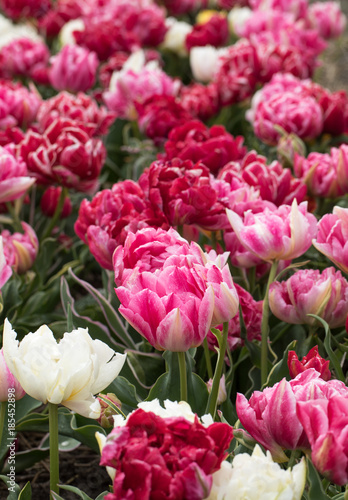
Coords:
pixel 327 344
pixel 111 316
pixel 13 493
pixel 280 369
pixel 25 494
pixel 167 386
pixel 73 489
pixel 125 391
pixel 316 490
pixel 26 459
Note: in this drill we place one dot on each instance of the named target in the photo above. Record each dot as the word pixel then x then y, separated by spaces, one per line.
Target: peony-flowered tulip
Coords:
pixel 69 372
pixel 308 291
pixel 270 416
pixel 164 452
pixel 8 381
pixel 20 249
pixel 14 181
pixel 74 69
pixel 172 294
pixel 5 268
pixel 256 476
pixel 311 360
pixel 282 234
pixel 326 424
pixel 332 237
pixel 327 18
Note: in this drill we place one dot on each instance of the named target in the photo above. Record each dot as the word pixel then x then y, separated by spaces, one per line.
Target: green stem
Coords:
pixel 207 358
pixel 54 449
pixel 15 217
pixel 212 401
pixel 265 326
pixel 3 409
pixel 56 214
pixel 183 376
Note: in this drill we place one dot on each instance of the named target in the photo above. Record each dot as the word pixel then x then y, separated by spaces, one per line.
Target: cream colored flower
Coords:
pixel 68 372
pixel 256 476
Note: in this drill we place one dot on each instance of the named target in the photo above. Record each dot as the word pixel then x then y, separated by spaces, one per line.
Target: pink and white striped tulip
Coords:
pixel 282 234
pixel 326 425
pixel 8 383
pixel 14 181
pixel 5 268
pixel 310 292
pixel 271 417
pixel 332 237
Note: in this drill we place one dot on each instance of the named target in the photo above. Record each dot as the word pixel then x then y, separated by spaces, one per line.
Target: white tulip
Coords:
pixel 203 62
pixel 68 372
pixel 251 477
pixel 66 36
pixel 175 37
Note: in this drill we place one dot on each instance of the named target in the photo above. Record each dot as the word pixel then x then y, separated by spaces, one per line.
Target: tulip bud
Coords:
pixel 312 360
pixel 288 146
pixel 222 394
pixel 49 202
pixel 108 410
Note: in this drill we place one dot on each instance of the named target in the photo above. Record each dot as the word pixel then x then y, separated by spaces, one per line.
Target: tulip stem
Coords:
pixel 183 376
pixel 207 358
pixel 16 221
pixel 212 401
pixel 56 214
pixel 265 326
pixel 54 449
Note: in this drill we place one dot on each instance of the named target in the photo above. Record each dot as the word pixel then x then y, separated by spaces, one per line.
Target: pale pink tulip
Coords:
pixel 282 234
pixel 326 425
pixel 5 268
pixel 21 249
pixel 271 418
pixel 332 237
pixel 310 292
pixel 14 181
pixel 73 68
pixel 312 360
pixel 9 385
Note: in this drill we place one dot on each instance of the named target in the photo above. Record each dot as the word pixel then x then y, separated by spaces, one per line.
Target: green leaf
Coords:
pixel 125 391
pixel 316 490
pixel 102 495
pixel 78 492
pixel 111 316
pixel 26 459
pixel 167 385
pixel 25 494
pixel 15 490
pixel 280 369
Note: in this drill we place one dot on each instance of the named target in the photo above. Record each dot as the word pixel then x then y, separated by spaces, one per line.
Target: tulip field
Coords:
pixel 173 250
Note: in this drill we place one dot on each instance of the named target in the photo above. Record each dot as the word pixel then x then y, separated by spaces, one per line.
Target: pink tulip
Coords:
pixel 14 181
pixel 282 234
pixel 172 294
pixel 312 360
pixel 325 174
pixel 9 385
pixel 326 425
pixel 271 417
pixel 49 202
pixel 332 237
pixel 310 292
pixel 5 268
pixel 23 57
pixel 73 68
pixel 20 249
pixel 327 18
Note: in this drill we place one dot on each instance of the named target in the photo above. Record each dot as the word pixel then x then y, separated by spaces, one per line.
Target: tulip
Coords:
pixel 271 417
pixel 8 383
pixel 5 268
pixel 326 423
pixel 20 249
pixel 251 477
pixel 69 372
pixel 312 360
pixel 307 292
pixel 74 69
pixel 14 181
pixel 49 202
pixel 332 237
pixel 282 234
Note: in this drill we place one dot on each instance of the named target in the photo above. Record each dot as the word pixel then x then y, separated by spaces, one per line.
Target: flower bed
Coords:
pixel 173 251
